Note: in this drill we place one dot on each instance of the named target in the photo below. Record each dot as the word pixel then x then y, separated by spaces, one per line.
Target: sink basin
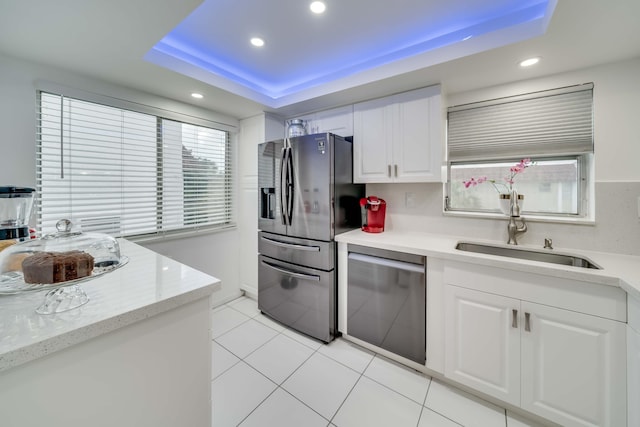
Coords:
pixel 529 254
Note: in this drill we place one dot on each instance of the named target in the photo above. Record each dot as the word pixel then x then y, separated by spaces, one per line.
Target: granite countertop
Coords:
pixel 617 270
pixel 147 285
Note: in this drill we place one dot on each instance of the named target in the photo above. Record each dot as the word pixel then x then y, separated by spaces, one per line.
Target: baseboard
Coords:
pixel 249 291
pixel 217 302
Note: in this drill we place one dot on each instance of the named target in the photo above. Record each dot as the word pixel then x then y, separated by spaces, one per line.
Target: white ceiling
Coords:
pixel 109 40
pixel 307 55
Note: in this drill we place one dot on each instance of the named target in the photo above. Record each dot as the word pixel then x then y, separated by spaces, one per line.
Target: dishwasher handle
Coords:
pixel 400 265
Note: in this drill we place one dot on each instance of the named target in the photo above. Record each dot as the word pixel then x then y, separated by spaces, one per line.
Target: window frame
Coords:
pixel 549 124
pixel 584 193
pixel 229 177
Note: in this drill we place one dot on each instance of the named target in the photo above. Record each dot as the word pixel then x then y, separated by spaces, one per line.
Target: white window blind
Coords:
pixel 128 173
pixel 550 123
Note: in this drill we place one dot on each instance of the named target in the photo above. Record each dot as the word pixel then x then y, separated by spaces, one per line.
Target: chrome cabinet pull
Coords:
pixel 514 322
pixel 527 322
pixel 395 167
pixel 389 170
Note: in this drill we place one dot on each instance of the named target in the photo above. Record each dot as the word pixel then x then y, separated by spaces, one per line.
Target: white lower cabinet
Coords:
pixel 563 365
pixel 633 361
pixel 482 348
pixel 573 367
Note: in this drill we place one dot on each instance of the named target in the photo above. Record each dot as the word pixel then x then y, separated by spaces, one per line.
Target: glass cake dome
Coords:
pixel 58 259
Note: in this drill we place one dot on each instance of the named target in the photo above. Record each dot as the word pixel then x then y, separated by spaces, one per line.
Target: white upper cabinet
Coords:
pixel 337 120
pixel 399 138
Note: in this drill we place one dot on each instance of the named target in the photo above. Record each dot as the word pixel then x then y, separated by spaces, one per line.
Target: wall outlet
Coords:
pixel 410 200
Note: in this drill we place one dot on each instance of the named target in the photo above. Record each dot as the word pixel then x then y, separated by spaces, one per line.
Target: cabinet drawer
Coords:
pixel 310 253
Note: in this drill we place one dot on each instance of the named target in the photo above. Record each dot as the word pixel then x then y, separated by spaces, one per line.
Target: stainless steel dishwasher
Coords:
pixel 386 300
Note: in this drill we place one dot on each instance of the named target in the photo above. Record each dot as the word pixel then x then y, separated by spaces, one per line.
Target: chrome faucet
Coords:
pixel 513 229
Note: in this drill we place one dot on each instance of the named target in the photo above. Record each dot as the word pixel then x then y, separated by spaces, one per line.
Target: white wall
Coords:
pixel 616 125
pixel 617 174
pixel 253 131
pixel 216 253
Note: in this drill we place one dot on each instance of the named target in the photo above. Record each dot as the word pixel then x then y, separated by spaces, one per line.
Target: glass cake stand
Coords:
pixel 61 296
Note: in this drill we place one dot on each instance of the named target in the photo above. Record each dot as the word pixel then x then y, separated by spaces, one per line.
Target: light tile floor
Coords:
pixel 267 375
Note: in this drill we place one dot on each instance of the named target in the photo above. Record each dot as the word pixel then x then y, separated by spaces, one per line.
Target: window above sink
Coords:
pixel 551 130
pixel 551 186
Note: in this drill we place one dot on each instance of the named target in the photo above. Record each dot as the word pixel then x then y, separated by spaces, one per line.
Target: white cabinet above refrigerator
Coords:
pixel 399 138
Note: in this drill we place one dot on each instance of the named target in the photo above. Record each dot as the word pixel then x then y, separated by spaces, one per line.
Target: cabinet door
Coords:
pixel 482 342
pixel 633 366
pixel 417 143
pixel 337 120
pixel 372 133
pixel 573 371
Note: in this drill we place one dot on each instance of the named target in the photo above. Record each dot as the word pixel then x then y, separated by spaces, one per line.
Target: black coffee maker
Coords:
pixel 15 210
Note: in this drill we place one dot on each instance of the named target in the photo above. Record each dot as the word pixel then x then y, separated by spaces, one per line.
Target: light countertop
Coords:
pixel 147 285
pixel 617 270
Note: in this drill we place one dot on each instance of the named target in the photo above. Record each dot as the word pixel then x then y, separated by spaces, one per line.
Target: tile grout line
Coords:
pixel 299 400
pixel 236 326
pixel 428 379
pixel 317 350
pixel 433 410
pixel 350 391
pixel 424 401
pixel 263 400
pixel 279 386
pixel 239 360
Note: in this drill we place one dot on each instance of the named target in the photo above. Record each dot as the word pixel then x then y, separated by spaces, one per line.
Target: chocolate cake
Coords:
pixel 55 267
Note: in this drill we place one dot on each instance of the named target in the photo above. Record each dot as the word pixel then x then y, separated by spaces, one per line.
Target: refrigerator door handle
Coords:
pixel 291 245
pixel 292 273
pixel 290 187
pixel 283 186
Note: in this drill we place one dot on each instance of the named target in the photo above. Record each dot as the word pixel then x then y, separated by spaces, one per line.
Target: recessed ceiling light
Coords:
pixel 317 7
pixel 257 41
pixel 529 62
pixel 197 95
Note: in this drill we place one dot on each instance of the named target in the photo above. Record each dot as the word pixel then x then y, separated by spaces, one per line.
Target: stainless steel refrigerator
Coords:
pixel 306 196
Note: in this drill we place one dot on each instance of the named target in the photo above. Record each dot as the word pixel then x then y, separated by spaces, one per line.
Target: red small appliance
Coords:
pixel 373 212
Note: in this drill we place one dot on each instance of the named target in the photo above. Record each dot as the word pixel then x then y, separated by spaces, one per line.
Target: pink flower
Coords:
pixel 469 183
pixel 509 180
pixel 473 182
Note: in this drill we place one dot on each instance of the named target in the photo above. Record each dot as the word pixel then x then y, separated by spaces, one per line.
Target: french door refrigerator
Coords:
pixel 306 196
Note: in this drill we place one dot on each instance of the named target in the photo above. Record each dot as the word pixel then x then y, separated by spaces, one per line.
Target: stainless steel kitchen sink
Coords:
pixel 529 254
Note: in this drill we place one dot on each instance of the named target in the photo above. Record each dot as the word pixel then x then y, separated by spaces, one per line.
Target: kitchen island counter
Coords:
pixel 138 353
